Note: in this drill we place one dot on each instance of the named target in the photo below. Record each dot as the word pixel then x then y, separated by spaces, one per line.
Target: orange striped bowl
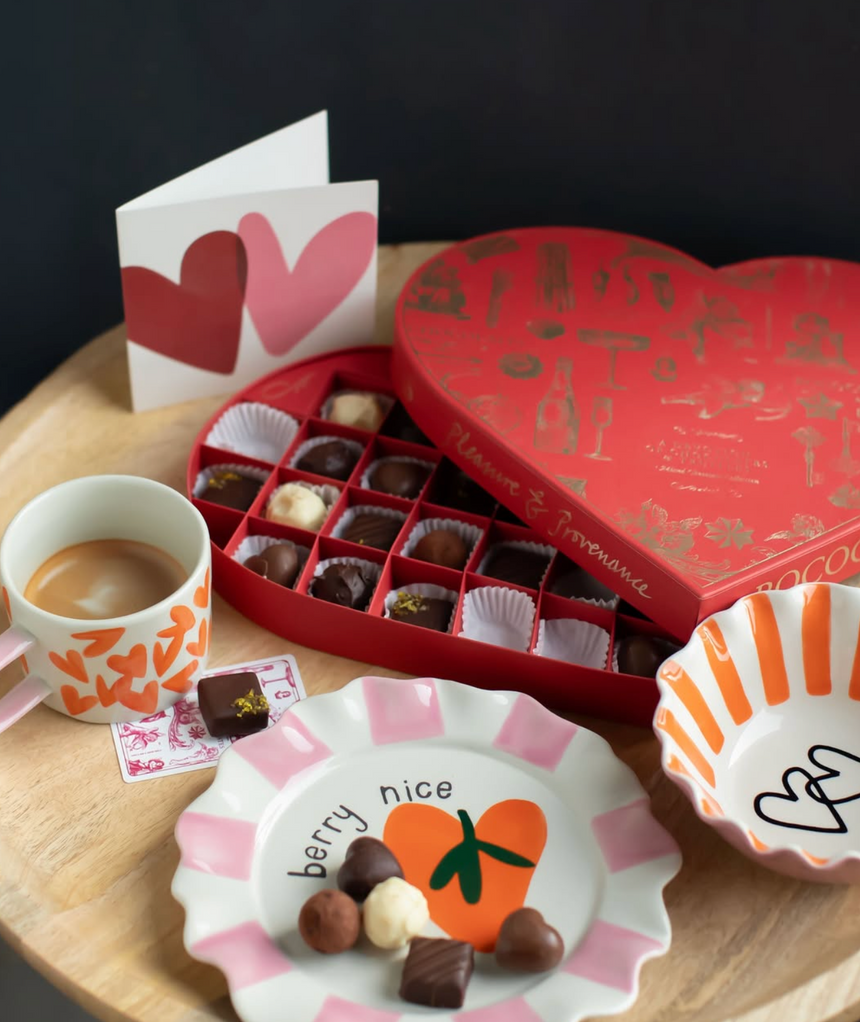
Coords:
pixel 759 721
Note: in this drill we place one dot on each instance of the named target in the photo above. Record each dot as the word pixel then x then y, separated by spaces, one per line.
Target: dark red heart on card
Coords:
pixel 197 321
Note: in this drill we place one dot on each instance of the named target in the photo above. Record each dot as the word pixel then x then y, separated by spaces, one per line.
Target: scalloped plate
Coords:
pixel 402 760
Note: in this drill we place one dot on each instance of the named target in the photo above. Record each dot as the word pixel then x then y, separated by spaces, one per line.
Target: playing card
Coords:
pixel 176 740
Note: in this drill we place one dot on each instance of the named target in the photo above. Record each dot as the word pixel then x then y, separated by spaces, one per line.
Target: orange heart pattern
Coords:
pixel 100 641
pixel 199 647
pixel 72 664
pixel 131 666
pixel 183 621
pixel 181 681
pixel 74 703
pixel 201 594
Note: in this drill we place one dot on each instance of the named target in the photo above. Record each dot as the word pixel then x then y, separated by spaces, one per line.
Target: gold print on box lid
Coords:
pixel 846 463
pixel 557 416
pixel 438 289
pixel 664 293
pixel 613 342
pixel 820 406
pixel 554 281
pixel 810 438
pixel 576 485
pixel 816 342
pixel 601 419
pixel 717 396
pixel 483 248
pixel 845 496
pixel 715 315
pixel 729 532
pixel 502 281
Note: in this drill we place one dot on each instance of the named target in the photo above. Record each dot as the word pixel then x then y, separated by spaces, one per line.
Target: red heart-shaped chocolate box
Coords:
pixel 678 430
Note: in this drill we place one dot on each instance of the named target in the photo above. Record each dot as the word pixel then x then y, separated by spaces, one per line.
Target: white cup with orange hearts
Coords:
pixel 106 581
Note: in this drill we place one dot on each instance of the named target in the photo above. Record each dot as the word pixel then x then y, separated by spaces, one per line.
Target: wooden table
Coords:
pixel 86 860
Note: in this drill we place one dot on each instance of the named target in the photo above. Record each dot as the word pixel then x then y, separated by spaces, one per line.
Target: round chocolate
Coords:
pixel 357 409
pixel 373 529
pixel 367 863
pixel 527 943
pixel 333 459
pixel 230 488
pixel 424 611
pixel 279 563
pixel 344 584
pixel 443 547
pixel 297 505
pixel 330 922
pixel 399 478
pixel 642 654
pixel 514 564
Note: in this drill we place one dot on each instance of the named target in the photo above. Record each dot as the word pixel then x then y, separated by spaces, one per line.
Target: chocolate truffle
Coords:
pixel 436 972
pixel 399 478
pixel 230 488
pixel 279 563
pixel 233 705
pixel 295 504
pixel 329 922
pixel 574 583
pixel 374 530
pixel 527 943
pixel 443 547
pixel 642 654
pixel 347 585
pixel 362 411
pixel 514 564
pixel 394 913
pixel 424 611
pixel 401 426
pixel 334 459
pixel 367 863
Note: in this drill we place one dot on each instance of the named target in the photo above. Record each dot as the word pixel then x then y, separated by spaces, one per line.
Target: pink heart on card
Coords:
pixel 285 304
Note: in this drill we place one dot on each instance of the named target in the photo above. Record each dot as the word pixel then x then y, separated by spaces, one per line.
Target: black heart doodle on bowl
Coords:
pixel 851 789
pixel 812 799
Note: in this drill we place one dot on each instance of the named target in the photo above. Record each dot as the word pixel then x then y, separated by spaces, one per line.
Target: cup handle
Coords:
pixel 15 642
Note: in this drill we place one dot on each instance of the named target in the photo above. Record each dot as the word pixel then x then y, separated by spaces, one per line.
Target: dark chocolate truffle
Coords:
pixel 347 585
pixel 527 943
pixel 374 530
pixel 443 547
pixel 436 972
pixel 367 863
pixel 424 611
pixel 574 583
pixel 642 654
pixel 279 563
pixel 230 488
pixel 233 705
pixel 514 564
pixel 334 459
pixel 399 478
pixel 329 922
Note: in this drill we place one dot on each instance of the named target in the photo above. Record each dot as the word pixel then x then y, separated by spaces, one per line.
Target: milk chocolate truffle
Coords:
pixel 399 478
pixel 347 585
pixel 374 530
pixel 527 943
pixel 230 488
pixel 424 611
pixel 279 563
pixel 514 564
pixel 233 705
pixel 642 655
pixel 294 504
pixel 329 922
pixel 334 459
pixel 436 972
pixel 574 583
pixel 362 411
pixel 443 547
pixel 394 913
pixel 367 863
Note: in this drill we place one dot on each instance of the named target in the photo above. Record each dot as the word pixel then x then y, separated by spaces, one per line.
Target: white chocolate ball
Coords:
pixel 362 411
pixel 394 913
pixel 294 504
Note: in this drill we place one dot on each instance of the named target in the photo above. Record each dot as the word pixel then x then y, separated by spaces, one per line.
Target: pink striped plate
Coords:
pixel 415 763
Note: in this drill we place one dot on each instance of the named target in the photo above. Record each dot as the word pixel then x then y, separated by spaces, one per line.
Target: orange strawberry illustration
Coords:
pixel 473 875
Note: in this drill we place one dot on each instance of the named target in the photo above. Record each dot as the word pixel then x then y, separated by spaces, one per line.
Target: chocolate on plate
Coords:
pixel 574 583
pixel 399 478
pixel 329 922
pixel 514 564
pixel 443 547
pixel 374 530
pixel 297 505
pixel 367 863
pixel 233 705
pixel 394 913
pixel 347 585
pixel 424 611
pixel 357 409
pixel 437 972
pixel 279 563
pixel 642 654
pixel 527 943
pixel 334 459
pixel 229 488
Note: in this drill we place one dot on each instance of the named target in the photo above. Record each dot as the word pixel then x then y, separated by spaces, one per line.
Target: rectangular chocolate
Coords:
pixel 233 705
pixel 436 972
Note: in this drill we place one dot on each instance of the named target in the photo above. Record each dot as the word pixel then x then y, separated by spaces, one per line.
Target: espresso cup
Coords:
pixel 113 669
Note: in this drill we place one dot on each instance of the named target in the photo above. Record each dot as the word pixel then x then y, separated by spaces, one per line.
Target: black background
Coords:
pixel 729 129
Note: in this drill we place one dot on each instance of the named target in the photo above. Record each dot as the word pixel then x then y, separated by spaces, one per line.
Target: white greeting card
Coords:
pixel 246 264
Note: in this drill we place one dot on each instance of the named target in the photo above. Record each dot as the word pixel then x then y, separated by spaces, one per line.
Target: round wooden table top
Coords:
pixel 86 860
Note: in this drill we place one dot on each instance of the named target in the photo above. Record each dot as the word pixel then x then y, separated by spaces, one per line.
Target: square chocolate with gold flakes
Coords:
pixel 233 705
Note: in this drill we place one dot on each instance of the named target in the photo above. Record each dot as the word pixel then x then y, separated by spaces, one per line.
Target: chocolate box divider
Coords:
pixel 552 608
pixel 300 404
pixel 212 456
pixel 222 522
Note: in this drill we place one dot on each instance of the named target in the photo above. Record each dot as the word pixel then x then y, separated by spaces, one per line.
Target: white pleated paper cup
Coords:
pixel 371 468
pixel 470 534
pixel 614 660
pixel 328 495
pixel 255 430
pixel 431 592
pixel 575 642
pixel 543 549
pixel 253 546
pixel 351 513
pixel 203 477
pixel 385 402
pixel 309 445
pixel 372 570
pixel 501 616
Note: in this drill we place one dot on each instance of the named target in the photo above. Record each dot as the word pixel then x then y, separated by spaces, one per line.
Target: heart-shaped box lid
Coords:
pixel 688 435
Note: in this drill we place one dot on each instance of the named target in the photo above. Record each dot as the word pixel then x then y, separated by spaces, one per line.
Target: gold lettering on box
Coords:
pixel 458 438
pixel 563 530
pixel 821 567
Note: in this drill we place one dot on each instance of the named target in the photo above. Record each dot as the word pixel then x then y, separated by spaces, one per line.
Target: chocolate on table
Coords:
pixel 347 585
pixel 527 943
pixel 367 863
pixel 375 530
pixel 424 611
pixel 233 705
pixel 357 409
pixel 279 563
pixel 642 655
pixel 297 505
pixel 394 913
pixel 329 922
pixel 514 564
pixel 574 583
pixel 399 478
pixel 334 459
pixel 436 972
pixel 443 547
pixel 229 488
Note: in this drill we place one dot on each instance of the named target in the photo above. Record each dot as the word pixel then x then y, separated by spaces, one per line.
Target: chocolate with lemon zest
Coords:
pixel 424 611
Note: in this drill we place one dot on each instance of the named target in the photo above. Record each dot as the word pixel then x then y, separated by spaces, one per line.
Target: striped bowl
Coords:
pixel 759 722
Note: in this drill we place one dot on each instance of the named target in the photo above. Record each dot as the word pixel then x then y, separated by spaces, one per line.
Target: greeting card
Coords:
pixel 245 264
